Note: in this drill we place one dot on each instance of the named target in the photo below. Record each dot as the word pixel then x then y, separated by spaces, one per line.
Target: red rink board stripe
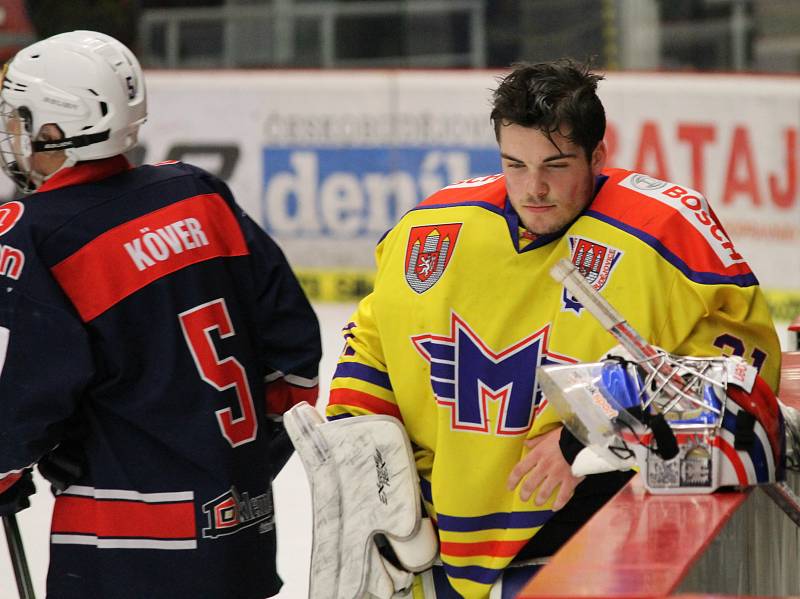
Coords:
pixel 132 255
pixel 637 545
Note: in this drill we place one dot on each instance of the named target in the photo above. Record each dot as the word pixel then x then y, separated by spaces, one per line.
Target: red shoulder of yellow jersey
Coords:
pixel 674 220
pixel 489 192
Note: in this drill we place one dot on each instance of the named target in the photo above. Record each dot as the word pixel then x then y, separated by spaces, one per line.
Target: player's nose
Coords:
pixel 536 186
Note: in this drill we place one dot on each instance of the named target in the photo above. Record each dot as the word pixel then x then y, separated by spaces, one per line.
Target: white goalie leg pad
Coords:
pixel 363 482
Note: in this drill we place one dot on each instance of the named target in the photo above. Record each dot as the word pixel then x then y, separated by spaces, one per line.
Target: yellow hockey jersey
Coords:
pixel 464 311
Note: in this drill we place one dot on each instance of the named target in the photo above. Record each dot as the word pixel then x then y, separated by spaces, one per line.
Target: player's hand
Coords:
pixel 543 470
pixel 15 497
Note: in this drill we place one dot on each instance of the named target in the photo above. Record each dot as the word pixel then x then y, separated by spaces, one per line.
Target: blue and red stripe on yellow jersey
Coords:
pixel 144 305
pixel 464 311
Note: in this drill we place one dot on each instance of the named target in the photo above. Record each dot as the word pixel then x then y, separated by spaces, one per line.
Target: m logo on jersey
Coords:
pixel 428 251
pixel 466 375
pixel 233 511
pixel 595 262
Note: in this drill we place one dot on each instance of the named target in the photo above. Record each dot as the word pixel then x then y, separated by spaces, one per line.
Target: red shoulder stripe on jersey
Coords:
pixel 676 221
pixel 121 518
pixel 488 190
pixel 281 396
pixel 365 401
pixel 126 258
pixel 488 548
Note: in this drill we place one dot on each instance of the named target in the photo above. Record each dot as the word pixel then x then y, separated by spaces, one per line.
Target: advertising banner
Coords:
pixel 327 161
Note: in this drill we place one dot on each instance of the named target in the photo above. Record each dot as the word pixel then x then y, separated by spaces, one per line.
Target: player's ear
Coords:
pixel 50 132
pixel 598 161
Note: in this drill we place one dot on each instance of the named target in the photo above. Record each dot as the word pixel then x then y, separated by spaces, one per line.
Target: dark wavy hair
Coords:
pixel 552 96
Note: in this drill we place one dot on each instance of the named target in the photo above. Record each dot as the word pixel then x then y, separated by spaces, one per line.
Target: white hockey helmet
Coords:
pixel 88 84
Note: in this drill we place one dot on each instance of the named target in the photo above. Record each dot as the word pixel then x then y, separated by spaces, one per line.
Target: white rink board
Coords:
pixel 327 161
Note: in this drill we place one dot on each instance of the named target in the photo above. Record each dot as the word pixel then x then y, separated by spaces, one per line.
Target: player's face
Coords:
pixel 549 182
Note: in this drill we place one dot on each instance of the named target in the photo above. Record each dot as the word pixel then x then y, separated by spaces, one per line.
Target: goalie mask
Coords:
pixel 692 425
pixel 86 84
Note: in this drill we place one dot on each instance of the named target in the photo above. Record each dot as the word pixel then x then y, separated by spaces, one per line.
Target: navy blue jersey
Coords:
pixel 145 309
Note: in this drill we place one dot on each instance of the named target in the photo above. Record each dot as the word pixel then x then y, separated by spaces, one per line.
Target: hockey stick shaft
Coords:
pixel 568 274
pixel 18 561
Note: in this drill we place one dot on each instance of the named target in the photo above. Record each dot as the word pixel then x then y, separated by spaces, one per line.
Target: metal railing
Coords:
pixel 292 33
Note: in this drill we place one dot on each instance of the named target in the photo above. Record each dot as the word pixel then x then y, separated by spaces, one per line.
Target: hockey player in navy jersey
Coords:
pixel 150 331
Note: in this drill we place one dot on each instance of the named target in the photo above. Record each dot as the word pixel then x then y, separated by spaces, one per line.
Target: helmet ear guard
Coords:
pixel 725 429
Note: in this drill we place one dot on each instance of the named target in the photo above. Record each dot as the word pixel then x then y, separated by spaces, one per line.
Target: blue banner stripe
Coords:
pixel 295 178
pixel 497 520
pixel 703 278
pixel 363 372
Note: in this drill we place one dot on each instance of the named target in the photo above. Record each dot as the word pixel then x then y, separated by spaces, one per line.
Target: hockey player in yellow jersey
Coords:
pixel 464 311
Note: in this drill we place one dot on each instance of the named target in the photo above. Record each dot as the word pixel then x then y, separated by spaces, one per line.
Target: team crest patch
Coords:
pixel 428 252
pixel 595 262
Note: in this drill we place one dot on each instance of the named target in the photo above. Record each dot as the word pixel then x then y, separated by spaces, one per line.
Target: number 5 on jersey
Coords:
pixel 197 324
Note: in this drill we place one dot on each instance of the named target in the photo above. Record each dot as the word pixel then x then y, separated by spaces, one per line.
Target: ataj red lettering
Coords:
pixel 741 156
pixel 697 136
pixel 785 198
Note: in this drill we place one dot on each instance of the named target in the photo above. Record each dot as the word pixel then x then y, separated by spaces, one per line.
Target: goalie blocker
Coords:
pixel 365 494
